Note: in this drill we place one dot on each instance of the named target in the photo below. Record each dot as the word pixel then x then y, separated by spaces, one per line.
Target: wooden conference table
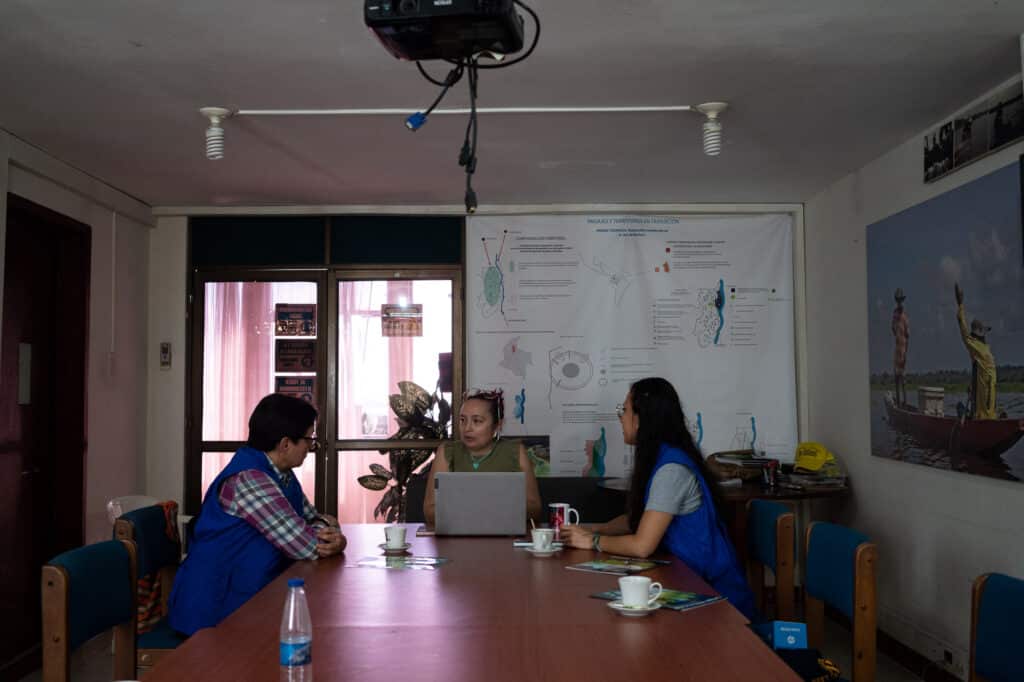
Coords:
pixel 492 613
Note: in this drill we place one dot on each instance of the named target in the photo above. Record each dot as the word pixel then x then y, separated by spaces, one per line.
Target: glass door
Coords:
pixel 260 333
pixel 393 326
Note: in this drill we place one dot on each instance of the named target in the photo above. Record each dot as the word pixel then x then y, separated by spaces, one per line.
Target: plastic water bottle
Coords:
pixel 296 652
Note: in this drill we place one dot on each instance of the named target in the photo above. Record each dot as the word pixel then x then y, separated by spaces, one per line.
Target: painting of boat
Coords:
pixel 983 437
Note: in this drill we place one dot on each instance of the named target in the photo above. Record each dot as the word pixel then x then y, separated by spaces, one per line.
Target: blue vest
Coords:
pixel 699 539
pixel 228 560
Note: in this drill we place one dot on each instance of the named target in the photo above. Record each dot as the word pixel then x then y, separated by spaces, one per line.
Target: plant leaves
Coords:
pixel 419 457
pixel 373 482
pixel 415 395
pixel 380 471
pixel 387 502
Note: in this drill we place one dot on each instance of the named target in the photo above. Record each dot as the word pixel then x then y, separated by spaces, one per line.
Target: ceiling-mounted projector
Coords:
pixel 445 29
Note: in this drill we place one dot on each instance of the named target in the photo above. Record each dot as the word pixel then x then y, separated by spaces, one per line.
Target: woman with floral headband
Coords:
pixel 481 448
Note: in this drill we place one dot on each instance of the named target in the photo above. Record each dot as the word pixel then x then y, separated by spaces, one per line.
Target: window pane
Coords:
pixel 238 350
pixel 356 503
pixel 370 364
pixel 214 463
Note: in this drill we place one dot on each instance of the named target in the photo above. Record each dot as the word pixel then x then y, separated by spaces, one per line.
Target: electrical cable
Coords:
pixel 529 51
pixel 471 66
pixel 533 45
pixel 472 128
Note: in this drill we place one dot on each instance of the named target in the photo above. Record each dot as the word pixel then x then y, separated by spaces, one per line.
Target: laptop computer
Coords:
pixel 479 503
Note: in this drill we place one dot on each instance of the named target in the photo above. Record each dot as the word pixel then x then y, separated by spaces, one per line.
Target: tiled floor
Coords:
pixel 92 662
pixel 837 648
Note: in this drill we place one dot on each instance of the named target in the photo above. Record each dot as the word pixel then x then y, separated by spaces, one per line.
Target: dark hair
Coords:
pixel 279 416
pixel 495 400
pixel 657 405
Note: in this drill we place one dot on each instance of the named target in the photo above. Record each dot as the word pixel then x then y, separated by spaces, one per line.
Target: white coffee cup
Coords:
pixel 543 539
pixel 395 536
pixel 638 592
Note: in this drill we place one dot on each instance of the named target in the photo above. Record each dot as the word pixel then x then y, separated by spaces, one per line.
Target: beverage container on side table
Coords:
pixel 296 650
pixel 770 473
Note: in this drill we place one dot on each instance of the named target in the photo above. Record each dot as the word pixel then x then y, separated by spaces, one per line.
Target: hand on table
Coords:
pixel 576 536
pixel 330 541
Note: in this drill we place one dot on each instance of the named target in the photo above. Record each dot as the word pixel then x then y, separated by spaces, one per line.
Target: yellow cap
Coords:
pixel 812 457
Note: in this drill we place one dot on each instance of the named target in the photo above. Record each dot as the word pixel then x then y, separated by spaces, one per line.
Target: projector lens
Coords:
pixel 408 6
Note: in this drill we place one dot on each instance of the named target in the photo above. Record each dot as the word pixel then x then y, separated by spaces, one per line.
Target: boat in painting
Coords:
pixel 985 437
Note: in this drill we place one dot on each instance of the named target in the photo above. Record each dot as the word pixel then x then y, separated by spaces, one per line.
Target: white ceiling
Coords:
pixel 817 88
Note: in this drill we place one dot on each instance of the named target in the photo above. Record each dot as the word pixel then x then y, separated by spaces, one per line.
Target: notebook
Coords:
pixel 480 503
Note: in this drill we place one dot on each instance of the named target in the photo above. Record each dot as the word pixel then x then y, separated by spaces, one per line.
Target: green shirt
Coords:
pixel 503 457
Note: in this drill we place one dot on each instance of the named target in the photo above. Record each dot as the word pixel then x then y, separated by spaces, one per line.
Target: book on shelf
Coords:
pixel 677 600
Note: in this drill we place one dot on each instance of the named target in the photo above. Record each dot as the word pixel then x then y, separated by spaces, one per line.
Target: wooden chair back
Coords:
pixel 770 546
pixel 85 592
pixel 841 572
pixel 158 554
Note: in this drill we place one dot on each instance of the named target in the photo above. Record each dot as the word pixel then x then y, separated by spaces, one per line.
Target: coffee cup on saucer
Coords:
pixel 639 592
pixel 394 536
pixel 543 539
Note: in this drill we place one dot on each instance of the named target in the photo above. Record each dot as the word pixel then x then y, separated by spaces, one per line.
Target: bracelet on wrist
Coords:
pixel 595 542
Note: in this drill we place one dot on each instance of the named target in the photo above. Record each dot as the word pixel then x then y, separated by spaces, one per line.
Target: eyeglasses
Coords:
pixel 620 410
pixel 314 444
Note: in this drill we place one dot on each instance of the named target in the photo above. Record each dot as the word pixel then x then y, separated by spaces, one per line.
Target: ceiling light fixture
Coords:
pixel 215 132
pixel 712 127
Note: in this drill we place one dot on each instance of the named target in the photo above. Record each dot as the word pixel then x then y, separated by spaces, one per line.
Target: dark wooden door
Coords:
pixel 43 350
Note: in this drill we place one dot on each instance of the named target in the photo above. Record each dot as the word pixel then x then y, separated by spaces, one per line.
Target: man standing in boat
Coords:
pixel 901 332
pixel 983 366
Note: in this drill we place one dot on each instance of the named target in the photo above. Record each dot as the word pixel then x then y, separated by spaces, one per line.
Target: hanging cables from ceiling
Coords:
pixel 470 66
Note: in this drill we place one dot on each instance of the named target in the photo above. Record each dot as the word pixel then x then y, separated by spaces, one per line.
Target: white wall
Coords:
pixel 116 398
pixel 936 530
pixel 165 440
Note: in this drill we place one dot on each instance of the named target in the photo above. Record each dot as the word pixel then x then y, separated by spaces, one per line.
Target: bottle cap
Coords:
pixel 296 582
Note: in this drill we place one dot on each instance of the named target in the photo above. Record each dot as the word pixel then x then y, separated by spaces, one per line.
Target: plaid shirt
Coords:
pixel 255 497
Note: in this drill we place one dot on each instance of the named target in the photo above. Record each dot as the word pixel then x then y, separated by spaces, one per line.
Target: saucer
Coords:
pixel 389 551
pixel 543 552
pixel 634 611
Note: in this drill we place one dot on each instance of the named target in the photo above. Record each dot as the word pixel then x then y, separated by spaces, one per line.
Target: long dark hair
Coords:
pixel 656 404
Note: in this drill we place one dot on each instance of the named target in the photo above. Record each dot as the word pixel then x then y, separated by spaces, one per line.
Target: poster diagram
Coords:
pixel 567 311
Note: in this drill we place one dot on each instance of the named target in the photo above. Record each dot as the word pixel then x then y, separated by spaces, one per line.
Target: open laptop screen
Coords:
pixel 480 503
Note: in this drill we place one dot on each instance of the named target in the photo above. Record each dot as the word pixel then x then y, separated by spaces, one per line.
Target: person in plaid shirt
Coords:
pixel 255 519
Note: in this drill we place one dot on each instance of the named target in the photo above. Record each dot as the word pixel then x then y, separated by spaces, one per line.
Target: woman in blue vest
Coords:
pixel 255 519
pixel 670 503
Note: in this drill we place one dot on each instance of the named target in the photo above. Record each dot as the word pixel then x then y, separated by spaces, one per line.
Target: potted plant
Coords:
pixel 420 416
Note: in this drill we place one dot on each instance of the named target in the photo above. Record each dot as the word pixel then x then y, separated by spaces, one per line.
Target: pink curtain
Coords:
pixel 237 352
pixel 238 364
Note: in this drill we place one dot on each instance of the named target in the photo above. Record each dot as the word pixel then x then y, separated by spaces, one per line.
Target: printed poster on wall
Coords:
pixel 401 320
pixel 298 387
pixel 295 355
pixel 565 312
pixel 946 330
pixel 295 319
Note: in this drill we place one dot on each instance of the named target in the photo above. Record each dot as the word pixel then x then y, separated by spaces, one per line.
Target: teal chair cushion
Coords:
pixel 100 593
pixel 830 565
pixel 153 547
pixel 761 521
pixel 1000 618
